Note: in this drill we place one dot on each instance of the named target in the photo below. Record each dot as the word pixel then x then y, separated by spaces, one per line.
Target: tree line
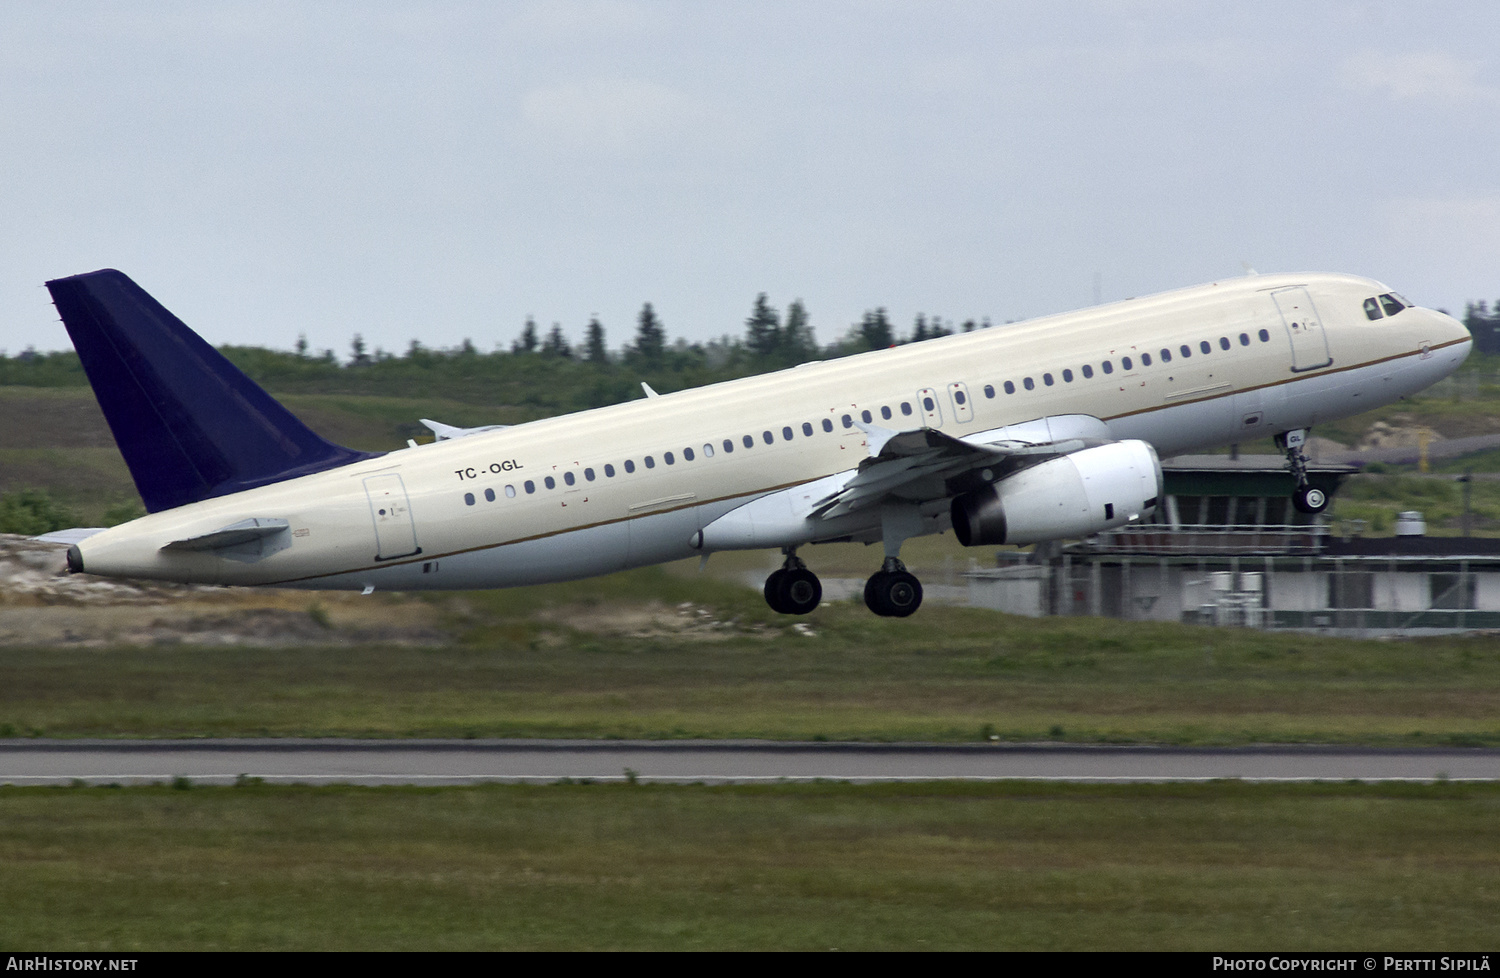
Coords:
pixel 547 371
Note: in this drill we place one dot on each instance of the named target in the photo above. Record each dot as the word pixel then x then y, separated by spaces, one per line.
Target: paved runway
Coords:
pixel 469 761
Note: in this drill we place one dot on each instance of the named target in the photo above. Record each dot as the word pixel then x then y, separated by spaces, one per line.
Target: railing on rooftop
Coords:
pixel 1159 539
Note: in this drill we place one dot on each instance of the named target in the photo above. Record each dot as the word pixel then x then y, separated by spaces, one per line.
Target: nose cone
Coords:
pixel 1451 331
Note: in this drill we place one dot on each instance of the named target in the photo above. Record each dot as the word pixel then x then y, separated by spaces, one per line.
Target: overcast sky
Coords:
pixel 440 170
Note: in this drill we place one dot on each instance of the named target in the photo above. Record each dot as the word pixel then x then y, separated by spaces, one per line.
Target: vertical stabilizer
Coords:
pixel 190 424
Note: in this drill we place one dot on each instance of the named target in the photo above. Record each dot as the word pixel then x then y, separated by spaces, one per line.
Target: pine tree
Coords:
pixel 875 330
pixel 357 355
pixel 919 329
pixel 527 341
pixel 763 329
pixel 594 348
pixel 797 342
pixel 650 337
pixel 556 344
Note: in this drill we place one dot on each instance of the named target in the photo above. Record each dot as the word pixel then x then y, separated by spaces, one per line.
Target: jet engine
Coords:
pixel 1070 496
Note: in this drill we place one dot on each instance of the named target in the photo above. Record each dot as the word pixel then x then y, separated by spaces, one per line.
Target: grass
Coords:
pixel 1220 866
pixel 649 654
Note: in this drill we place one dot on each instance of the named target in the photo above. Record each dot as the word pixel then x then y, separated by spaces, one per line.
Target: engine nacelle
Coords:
pixel 1069 496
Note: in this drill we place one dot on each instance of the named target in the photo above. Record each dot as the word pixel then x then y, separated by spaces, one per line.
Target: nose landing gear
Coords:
pixel 793 590
pixel 1306 498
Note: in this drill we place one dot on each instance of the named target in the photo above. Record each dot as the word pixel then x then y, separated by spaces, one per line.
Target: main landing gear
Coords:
pixel 793 590
pixel 1306 498
pixel 893 591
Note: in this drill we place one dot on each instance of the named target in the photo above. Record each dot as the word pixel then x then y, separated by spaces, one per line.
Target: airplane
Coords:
pixel 1041 430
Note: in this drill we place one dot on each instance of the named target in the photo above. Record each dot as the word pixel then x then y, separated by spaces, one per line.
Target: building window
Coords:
pixel 1454 591
pixel 1351 589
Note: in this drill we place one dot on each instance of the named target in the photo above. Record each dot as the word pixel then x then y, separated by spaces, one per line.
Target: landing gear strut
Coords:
pixel 1306 498
pixel 793 590
pixel 893 591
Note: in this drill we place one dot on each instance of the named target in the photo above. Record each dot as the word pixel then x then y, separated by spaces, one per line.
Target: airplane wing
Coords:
pixel 924 464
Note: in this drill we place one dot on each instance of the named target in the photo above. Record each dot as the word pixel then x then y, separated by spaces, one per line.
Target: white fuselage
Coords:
pixel 1284 352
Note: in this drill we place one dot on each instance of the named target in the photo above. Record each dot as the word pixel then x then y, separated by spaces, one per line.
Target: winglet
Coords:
pixel 190 425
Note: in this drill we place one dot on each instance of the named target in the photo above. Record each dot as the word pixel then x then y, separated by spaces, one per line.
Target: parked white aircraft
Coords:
pixel 1037 431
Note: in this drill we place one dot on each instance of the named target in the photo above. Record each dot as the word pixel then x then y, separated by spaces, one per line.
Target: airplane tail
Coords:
pixel 190 425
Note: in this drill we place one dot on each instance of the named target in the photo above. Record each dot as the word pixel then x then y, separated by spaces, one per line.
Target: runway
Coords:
pixel 452 762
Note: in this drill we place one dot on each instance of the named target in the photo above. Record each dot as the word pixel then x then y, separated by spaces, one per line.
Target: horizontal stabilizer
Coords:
pixel 70 536
pixel 233 535
pixel 190 425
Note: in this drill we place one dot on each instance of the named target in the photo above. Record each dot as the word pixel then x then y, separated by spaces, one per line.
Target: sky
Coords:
pixel 440 171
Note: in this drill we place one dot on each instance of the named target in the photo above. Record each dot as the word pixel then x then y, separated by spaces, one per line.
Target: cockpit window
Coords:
pixel 1391 304
pixel 1372 308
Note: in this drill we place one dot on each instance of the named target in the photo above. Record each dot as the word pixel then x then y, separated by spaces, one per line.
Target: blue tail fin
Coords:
pixel 190 425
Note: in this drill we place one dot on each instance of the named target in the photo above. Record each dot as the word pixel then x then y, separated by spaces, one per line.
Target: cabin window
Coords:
pixel 629 465
pixel 885 413
pixel 1265 337
pixel 1107 367
pixel 588 474
pixel 1185 350
pixel 848 421
pixel 650 462
pixel 550 482
pixel 1372 308
pixel 1029 384
pixel 1390 304
pixel 1223 342
pixel 1047 379
pixel 609 471
pixel 1166 355
pixel 1244 339
pixel 1009 387
pixel 807 430
pixel 749 442
pixel 531 486
pixel 468 499
pixel 1203 345
pixel 729 446
pixel 1125 364
pixel 989 390
pixel 959 398
pixel 827 424
pixel 708 451
pixel 510 492
pixel 905 408
pixel 1067 376
pixel 687 454
pixel 568 478
pixel 1145 359
pixel 866 416
pixel 927 404
pixel 667 456
pixel 786 433
pixel 1088 371
pixel 768 438
pixel 489 495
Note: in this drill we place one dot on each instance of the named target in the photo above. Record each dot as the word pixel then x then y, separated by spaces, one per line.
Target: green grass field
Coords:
pixel 1219 866
pixel 654 655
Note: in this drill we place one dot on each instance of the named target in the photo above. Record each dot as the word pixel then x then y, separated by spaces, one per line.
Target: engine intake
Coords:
pixel 1069 496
